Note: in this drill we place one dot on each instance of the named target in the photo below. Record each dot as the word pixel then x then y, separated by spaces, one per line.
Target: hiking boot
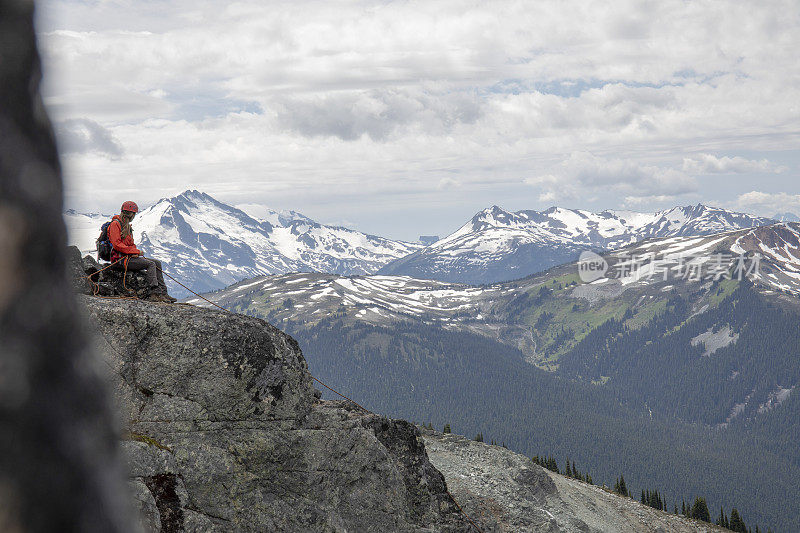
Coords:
pixel 155 297
pixel 164 297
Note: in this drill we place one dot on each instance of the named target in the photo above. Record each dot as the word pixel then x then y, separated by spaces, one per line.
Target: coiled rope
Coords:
pixel 96 285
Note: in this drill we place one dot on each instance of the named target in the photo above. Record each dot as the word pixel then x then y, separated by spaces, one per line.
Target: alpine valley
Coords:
pixel 677 369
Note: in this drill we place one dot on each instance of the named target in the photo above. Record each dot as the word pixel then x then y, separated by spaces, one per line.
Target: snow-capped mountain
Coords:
pixel 636 277
pixel 208 245
pixel 690 343
pixel 498 245
pixel 374 299
pixel 767 255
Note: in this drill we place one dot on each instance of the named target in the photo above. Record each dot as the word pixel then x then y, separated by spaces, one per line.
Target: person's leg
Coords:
pixel 134 263
pixel 160 276
pixel 142 263
pixel 158 289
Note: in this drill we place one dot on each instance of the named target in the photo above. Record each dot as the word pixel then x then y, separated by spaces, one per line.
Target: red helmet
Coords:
pixel 130 206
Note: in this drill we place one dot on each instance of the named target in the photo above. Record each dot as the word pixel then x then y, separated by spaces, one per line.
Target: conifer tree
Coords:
pixel 479 437
pixel 568 471
pixel 736 522
pixel 721 519
pixel 620 488
pixel 699 510
pixel 446 428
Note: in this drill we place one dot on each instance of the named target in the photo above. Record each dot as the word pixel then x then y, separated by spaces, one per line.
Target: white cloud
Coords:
pixel 584 174
pixel 376 113
pixel 81 135
pixel 294 101
pixel 448 183
pixel 711 164
pixel 639 202
pixel 548 196
pixel 769 204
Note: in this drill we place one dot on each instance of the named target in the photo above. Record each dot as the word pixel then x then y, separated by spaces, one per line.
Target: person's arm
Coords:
pixel 115 236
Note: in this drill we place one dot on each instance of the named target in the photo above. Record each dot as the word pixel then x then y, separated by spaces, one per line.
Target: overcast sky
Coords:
pixel 405 118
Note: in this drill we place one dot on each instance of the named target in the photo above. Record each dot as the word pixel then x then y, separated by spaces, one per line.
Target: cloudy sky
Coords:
pixel 405 118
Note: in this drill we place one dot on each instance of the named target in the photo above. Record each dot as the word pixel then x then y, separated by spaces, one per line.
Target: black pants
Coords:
pixel 153 266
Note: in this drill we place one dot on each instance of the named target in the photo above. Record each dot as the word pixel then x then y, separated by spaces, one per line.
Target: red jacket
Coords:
pixel 120 246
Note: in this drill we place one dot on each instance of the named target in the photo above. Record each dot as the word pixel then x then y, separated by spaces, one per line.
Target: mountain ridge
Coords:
pixel 209 244
pixel 378 299
pixel 498 245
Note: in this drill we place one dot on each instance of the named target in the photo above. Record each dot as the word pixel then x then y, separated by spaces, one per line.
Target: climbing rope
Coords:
pixel 229 311
pixel 463 513
pixel 340 394
pixel 190 290
pixel 96 286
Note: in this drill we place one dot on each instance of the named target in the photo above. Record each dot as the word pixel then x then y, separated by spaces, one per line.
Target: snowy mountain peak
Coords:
pixel 499 245
pixel 193 201
pixel 493 216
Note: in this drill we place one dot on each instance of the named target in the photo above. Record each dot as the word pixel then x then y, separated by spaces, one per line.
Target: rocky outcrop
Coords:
pixel 225 432
pixel 507 492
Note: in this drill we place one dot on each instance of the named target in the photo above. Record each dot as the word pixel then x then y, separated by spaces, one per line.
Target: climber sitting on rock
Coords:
pixel 120 233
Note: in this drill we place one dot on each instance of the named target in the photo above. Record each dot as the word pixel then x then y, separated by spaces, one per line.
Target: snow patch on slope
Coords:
pixel 714 340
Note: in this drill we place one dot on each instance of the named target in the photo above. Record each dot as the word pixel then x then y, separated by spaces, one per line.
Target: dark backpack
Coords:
pixel 104 246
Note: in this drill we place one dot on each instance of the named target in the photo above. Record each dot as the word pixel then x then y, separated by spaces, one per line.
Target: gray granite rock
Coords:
pixel 227 432
pixel 145 504
pixel 503 491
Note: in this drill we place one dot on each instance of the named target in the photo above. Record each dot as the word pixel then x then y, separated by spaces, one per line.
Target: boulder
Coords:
pixel 226 432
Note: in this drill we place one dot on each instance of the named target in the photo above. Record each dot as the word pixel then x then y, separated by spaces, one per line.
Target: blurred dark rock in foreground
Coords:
pixel 58 462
